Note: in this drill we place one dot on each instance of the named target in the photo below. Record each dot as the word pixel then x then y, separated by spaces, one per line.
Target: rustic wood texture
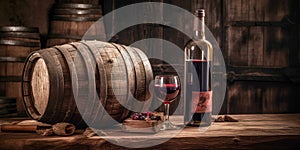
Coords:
pixel 8 106
pixel 40 85
pixel 256 36
pixel 259 34
pixel 257 45
pixel 263 131
pixel 140 32
pixel 144 30
pixel 70 22
pixel 138 126
pixel 16 43
pixel 258 53
pixel 67 79
pixel 268 98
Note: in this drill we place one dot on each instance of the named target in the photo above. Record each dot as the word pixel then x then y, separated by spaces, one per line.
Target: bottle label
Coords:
pixel 201 102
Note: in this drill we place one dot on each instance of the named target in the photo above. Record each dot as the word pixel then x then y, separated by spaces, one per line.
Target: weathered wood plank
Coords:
pixel 255 44
pixel 263 131
pixel 276 52
pixel 262 97
pixel 293 39
pixel 237 46
pixel 237 49
pixel 260 34
pixel 244 98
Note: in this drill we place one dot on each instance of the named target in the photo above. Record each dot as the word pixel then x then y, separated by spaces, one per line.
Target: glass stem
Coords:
pixel 167 107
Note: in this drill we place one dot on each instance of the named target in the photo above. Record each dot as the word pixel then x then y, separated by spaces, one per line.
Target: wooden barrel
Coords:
pixel 69 22
pixel 16 43
pixel 8 106
pixel 89 79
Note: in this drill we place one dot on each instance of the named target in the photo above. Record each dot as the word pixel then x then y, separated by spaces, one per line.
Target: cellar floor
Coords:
pixel 263 131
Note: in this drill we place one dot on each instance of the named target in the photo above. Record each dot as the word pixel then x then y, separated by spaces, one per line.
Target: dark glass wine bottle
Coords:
pixel 198 60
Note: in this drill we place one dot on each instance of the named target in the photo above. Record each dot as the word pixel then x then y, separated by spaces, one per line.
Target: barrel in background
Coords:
pixel 70 21
pixel 8 107
pixel 16 43
pixel 64 83
pixel 94 2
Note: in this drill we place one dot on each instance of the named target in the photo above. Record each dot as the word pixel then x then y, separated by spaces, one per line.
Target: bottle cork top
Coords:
pixel 200 12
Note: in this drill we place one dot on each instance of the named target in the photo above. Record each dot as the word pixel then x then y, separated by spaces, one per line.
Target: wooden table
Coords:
pixel 261 131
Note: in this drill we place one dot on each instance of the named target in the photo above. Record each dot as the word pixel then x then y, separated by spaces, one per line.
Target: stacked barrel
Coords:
pixel 8 107
pixel 71 21
pixel 16 43
pixel 84 82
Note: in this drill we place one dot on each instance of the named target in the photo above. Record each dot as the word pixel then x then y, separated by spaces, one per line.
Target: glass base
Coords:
pixel 167 125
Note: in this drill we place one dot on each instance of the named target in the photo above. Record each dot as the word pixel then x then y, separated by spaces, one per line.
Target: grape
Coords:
pixel 135 117
pixel 142 117
pixel 145 116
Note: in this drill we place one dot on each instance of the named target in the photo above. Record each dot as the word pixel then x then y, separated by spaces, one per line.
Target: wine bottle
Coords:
pixel 197 73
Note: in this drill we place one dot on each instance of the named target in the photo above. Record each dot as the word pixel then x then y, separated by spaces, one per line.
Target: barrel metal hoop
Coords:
pixel 7 100
pixel 130 77
pixel 20 35
pixel 28 100
pixel 103 79
pixel 90 76
pixel 8 111
pixel 76 12
pixel 12 59
pixel 148 68
pixel 72 71
pixel 8 105
pixel 79 6
pixel 64 36
pixel 19 43
pixel 140 92
pixel 10 78
pixel 76 19
pixel 76 37
pixel 18 29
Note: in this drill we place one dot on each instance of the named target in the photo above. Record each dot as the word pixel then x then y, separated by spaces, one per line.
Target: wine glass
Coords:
pixel 167 88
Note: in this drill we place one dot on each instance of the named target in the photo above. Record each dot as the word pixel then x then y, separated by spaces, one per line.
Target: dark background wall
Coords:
pixel 32 13
pixel 258 38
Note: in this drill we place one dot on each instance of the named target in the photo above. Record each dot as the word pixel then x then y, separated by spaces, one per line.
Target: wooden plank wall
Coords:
pixel 260 44
pixel 260 48
pixel 258 38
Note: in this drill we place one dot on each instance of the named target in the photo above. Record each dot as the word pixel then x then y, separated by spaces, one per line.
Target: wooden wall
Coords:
pixel 31 13
pixel 258 38
pixel 260 43
pixel 261 52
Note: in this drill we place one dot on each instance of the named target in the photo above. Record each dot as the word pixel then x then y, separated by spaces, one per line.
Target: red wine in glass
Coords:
pixel 166 89
pixel 167 92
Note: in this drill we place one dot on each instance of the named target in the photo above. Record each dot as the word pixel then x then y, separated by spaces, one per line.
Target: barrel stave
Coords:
pixel 89 79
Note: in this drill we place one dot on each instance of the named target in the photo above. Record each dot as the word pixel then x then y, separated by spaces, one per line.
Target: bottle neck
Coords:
pixel 199 28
